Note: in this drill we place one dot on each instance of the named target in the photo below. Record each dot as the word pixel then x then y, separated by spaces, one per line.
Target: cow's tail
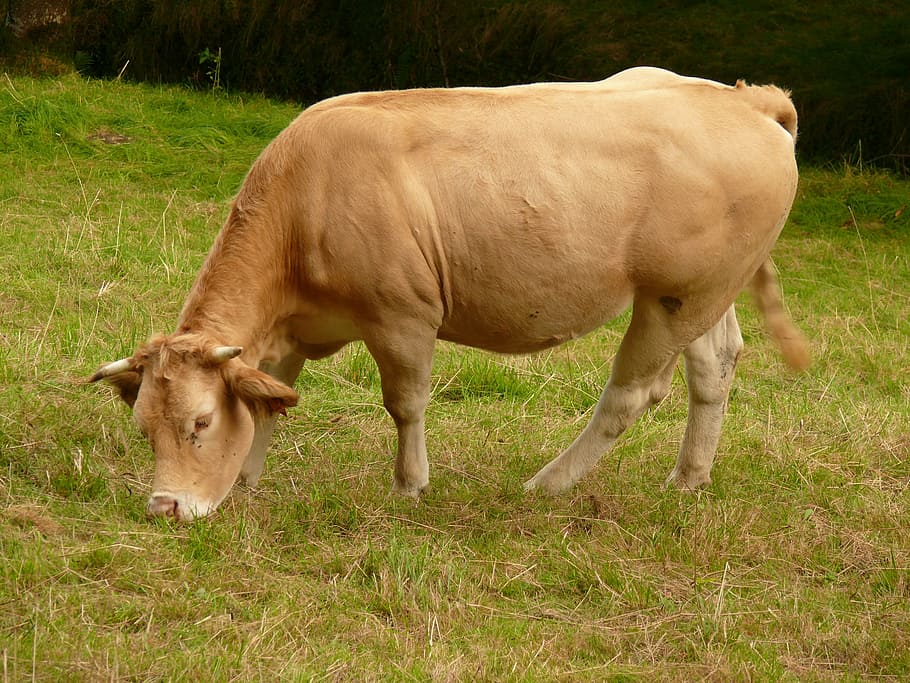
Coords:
pixel 772 102
pixel 766 294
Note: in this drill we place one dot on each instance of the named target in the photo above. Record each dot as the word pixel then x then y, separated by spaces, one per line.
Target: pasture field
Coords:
pixel 794 565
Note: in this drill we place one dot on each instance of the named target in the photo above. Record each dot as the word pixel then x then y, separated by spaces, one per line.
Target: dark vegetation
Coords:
pixel 847 63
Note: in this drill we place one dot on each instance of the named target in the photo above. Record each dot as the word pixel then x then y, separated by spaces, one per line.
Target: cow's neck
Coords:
pixel 241 291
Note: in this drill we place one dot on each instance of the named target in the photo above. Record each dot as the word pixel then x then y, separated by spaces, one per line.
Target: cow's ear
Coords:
pixel 263 394
pixel 127 385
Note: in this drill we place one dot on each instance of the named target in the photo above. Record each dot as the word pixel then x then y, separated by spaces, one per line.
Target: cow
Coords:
pixel 508 219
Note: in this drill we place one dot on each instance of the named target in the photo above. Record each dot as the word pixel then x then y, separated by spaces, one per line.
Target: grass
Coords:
pixel 794 565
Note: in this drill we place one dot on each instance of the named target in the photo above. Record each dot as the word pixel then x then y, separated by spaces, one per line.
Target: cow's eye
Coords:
pixel 202 422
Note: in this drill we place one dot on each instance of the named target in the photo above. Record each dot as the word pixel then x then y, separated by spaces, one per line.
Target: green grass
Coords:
pixel 794 565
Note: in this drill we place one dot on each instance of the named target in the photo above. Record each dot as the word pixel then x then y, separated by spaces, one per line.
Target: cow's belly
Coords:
pixel 522 314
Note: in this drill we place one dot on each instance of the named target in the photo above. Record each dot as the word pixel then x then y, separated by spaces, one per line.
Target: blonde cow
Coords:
pixel 509 219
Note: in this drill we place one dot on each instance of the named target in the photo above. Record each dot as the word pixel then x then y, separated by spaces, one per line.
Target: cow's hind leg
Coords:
pixel 710 363
pixel 642 371
pixel 403 352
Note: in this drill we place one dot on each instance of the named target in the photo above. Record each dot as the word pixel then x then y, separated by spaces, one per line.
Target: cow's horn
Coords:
pixel 114 368
pixel 220 354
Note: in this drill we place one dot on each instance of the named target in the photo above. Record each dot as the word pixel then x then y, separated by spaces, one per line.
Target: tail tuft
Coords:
pixel 793 347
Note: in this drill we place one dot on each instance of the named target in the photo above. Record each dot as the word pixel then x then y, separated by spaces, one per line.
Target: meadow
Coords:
pixel 794 565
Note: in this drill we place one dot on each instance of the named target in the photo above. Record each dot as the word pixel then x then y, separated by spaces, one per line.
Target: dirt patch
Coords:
pixel 33 517
pixel 109 137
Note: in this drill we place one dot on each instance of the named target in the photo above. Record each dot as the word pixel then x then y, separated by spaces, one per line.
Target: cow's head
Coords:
pixel 197 404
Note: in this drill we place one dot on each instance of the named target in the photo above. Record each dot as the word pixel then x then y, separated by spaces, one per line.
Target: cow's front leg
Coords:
pixel 286 370
pixel 403 352
pixel 255 459
pixel 710 362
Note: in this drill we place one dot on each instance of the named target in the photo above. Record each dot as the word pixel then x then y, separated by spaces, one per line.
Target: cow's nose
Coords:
pixel 161 506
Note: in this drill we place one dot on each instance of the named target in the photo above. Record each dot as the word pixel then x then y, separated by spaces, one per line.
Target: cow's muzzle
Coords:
pixel 162 506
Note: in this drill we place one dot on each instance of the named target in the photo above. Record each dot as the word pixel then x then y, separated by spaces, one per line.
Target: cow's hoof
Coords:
pixel 533 485
pixel 249 480
pixel 409 490
pixel 687 481
pixel 545 482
